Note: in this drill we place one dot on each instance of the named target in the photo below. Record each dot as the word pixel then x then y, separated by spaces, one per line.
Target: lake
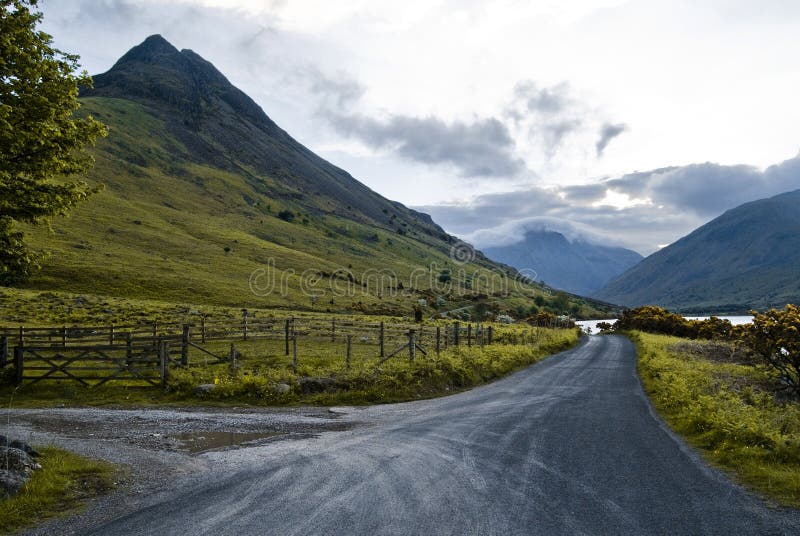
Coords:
pixel 592 324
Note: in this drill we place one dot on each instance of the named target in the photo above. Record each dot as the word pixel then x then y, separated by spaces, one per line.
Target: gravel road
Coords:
pixel 568 446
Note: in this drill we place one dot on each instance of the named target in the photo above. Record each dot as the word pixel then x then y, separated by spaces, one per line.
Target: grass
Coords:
pixel 64 483
pixel 726 410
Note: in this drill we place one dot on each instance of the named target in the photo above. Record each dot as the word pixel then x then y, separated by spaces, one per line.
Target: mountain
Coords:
pixel 207 200
pixel 749 257
pixel 576 266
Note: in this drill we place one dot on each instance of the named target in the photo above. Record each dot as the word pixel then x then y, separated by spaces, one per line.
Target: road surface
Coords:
pixel 569 446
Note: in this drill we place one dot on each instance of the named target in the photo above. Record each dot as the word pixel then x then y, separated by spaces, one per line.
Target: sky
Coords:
pixel 627 122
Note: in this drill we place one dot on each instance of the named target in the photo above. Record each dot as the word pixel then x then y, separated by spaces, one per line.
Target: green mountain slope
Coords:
pixel 202 190
pixel 749 257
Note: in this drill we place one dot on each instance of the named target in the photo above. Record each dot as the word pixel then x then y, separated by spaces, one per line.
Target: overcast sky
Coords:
pixel 634 121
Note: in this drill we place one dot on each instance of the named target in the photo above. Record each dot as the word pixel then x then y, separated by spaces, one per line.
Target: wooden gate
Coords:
pixel 93 365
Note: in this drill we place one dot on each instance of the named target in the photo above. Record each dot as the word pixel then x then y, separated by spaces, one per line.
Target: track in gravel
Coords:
pixel 569 446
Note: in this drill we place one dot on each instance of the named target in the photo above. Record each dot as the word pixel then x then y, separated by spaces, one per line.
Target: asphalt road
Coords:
pixel 569 446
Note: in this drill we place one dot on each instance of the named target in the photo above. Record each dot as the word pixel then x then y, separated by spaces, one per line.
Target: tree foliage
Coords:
pixel 41 140
pixel 774 337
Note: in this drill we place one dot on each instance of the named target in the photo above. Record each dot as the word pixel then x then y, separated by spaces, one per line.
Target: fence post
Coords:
pixel 244 324
pixel 294 352
pixel 185 345
pixel 233 360
pixel 489 335
pixel 128 348
pixel 349 346
pixel 203 329
pixel 412 344
pixel 382 340
pixel 18 365
pixel 286 336
pixel 22 335
pixel 111 335
pixel 63 336
pixel 469 334
pixel 3 351
pixel 155 333
pixel 456 333
pixel 438 340
pixel 163 361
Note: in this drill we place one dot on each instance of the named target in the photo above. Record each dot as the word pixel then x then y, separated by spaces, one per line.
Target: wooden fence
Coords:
pixel 143 353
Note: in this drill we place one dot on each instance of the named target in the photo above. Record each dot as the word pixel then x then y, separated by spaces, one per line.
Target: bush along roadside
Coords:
pixel 60 482
pixel 728 410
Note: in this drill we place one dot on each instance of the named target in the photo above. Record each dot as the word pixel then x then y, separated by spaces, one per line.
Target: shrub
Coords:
pixel 774 338
pixel 286 215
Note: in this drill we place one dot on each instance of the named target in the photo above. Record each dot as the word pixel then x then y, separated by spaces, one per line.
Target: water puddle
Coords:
pixel 196 442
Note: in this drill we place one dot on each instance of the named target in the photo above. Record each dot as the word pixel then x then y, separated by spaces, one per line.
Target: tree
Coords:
pixel 774 337
pixel 42 143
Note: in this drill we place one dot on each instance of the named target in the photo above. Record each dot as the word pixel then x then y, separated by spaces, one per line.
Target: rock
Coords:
pixel 17 444
pixel 280 388
pixel 10 483
pixel 316 385
pixel 204 389
pixel 17 461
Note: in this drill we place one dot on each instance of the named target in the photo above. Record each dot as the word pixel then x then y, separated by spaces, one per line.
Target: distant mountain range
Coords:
pixel 749 257
pixel 203 192
pixel 577 266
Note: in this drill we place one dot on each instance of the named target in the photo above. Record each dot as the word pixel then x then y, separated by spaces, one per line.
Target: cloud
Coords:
pixel 584 193
pixel 543 100
pixel 608 133
pixel 547 115
pixel 679 199
pixel 492 210
pixel 503 218
pixel 339 92
pixel 482 148
pixel 709 189
pixel 513 232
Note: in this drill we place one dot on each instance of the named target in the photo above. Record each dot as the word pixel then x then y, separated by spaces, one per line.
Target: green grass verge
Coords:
pixel 725 410
pixel 64 483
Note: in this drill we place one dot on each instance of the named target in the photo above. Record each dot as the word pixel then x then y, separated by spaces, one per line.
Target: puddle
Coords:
pixel 196 442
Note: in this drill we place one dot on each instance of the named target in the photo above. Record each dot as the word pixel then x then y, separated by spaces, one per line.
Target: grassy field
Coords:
pixel 265 375
pixel 726 409
pixel 64 483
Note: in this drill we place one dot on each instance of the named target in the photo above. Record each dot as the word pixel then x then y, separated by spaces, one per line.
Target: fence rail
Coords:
pixel 95 355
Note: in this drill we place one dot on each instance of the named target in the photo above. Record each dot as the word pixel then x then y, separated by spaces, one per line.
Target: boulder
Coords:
pixel 10 483
pixel 204 389
pixel 310 385
pixel 21 445
pixel 280 388
pixel 17 460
